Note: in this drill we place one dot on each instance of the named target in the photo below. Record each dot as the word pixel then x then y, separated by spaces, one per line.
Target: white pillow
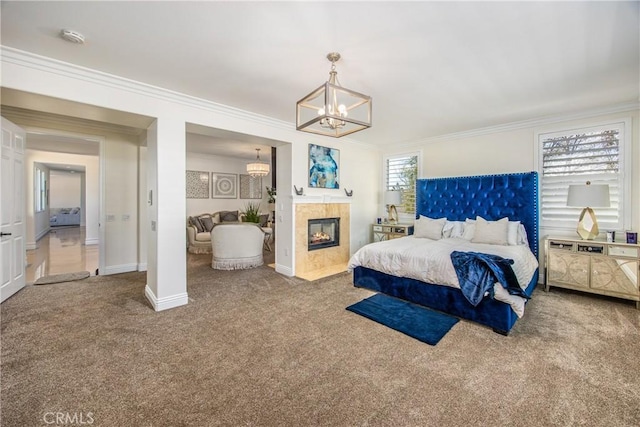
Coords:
pixel 469 229
pixel 491 232
pixel 453 229
pixel 512 233
pixel 517 234
pixel 429 228
pixel 522 235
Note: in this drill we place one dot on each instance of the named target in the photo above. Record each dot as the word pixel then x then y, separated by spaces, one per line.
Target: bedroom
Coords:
pixel 511 134
pixel 504 141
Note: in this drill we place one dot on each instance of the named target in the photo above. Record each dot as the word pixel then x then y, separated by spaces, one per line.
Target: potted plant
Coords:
pixel 252 212
pixel 271 191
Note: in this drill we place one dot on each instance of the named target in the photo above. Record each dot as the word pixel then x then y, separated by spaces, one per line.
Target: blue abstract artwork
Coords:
pixel 323 167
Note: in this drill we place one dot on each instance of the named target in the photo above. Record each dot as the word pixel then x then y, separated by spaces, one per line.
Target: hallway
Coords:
pixel 62 250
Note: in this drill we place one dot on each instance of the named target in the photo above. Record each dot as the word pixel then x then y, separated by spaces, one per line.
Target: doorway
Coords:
pixel 64 245
pixel 63 195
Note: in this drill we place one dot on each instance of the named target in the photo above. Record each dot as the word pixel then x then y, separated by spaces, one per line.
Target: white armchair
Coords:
pixel 236 246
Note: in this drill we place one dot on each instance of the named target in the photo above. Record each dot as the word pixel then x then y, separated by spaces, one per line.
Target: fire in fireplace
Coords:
pixel 324 233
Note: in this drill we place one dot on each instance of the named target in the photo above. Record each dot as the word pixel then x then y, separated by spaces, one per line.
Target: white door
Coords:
pixel 12 222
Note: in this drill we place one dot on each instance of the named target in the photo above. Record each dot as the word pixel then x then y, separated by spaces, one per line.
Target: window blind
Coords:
pixel 575 157
pixel 401 174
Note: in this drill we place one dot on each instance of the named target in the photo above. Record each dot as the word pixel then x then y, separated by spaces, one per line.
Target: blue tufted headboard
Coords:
pixel 489 196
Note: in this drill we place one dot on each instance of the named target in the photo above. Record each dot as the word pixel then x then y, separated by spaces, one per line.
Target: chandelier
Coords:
pixel 333 110
pixel 258 168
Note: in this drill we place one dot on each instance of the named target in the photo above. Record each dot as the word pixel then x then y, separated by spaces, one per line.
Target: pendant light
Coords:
pixel 258 168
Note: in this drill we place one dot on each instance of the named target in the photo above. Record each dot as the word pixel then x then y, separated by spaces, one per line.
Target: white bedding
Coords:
pixel 429 261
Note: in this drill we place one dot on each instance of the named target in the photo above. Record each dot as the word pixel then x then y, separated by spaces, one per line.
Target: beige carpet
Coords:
pixel 254 348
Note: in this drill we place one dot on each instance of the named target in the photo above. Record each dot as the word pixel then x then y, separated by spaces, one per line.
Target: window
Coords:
pixel 595 154
pixel 401 174
pixel 40 190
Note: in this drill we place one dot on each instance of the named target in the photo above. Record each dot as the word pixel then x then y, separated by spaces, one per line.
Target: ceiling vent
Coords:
pixel 72 36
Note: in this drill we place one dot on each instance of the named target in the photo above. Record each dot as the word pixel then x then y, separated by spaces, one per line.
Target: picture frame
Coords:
pixel 324 167
pixel 250 187
pixel 197 184
pixel 224 185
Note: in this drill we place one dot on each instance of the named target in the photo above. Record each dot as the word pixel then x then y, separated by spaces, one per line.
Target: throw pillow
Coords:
pixel 228 216
pixel 263 220
pixel 429 228
pixel 207 223
pixel 453 229
pixel 491 232
pixel 512 233
pixel 196 223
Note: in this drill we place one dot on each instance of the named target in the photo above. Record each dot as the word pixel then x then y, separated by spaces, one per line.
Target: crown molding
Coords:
pixel 540 121
pixel 65 69
pixel 54 121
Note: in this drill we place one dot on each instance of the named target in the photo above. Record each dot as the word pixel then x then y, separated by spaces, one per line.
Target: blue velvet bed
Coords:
pixel 489 196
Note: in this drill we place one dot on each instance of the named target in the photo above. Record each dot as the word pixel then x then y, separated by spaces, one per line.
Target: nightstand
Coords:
pixel 594 266
pixel 390 231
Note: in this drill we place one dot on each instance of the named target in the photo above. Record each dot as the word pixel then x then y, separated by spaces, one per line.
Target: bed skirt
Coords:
pixel 489 312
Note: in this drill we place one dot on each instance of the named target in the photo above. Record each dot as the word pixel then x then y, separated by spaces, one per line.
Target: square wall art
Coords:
pixel 224 185
pixel 197 185
pixel 250 187
pixel 324 164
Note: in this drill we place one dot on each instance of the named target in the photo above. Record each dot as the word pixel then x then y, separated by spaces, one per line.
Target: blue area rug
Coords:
pixel 416 321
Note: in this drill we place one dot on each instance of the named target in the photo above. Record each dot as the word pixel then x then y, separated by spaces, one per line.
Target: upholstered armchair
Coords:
pixel 236 246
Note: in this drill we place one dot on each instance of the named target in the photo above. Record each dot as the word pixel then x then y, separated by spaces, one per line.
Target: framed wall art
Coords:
pixel 224 185
pixel 197 185
pixel 250 187
pixel 324 165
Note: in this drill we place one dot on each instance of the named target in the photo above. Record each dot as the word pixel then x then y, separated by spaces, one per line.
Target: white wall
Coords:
pixel 120 203
pixel 64 189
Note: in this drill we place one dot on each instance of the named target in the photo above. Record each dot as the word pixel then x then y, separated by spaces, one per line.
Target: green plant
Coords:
pixel 252 212
pixel 271 191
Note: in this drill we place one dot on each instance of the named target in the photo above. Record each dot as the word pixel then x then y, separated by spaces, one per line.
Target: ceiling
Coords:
pixel 432 68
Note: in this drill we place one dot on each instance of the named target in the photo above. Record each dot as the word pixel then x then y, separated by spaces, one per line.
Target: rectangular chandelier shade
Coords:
pixel 332 110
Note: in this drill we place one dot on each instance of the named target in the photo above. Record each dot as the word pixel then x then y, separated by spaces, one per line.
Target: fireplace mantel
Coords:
pixel 321 198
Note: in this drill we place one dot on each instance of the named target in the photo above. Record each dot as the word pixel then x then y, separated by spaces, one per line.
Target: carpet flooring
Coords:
pixel 255 348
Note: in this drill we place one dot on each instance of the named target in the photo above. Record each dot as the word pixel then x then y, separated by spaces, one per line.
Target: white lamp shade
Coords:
pixel 392 197
pixel 589 195
pixel 258 169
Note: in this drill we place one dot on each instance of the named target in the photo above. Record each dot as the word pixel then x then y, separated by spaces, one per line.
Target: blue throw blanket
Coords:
pixel 477 273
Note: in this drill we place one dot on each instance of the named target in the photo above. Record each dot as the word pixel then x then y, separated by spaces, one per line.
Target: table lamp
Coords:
pixel 392 198
pixel 588 196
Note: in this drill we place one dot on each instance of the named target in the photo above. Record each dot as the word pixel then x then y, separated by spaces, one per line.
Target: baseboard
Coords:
pixel 287 271
pixel 117 269
pixel 93 241
pixel 142 266
pixel 166 302
pixel 42 234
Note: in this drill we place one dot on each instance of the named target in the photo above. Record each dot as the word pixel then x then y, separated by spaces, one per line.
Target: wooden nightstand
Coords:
pixel 605 268
pixel 390 231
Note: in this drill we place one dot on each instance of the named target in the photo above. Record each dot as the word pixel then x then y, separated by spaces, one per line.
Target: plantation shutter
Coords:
pixel 575 157
pixel 401 173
